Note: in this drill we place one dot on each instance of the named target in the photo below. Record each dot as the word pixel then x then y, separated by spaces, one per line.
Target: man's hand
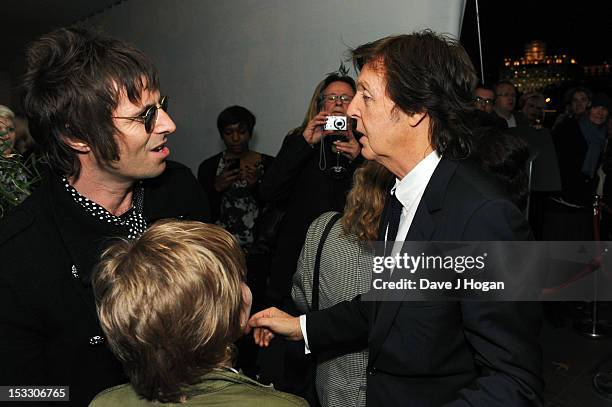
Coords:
pixel 274 321
pixel 226 179
pixel 350 148
pixel 314 129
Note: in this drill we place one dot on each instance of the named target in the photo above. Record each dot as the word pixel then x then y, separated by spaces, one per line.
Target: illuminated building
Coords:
pixel 536 70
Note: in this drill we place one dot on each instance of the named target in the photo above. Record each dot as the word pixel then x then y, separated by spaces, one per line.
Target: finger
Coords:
pixel 264 336
pixel 269 313
pixel 263 313
pixel 268 338
pixel 257 336
pixel 262 322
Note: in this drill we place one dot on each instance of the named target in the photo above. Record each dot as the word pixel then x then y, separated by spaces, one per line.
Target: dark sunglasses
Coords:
pixel 149 117
pixel 485 101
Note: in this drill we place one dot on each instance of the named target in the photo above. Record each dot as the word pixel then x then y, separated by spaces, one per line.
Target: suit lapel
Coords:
pixel 423 228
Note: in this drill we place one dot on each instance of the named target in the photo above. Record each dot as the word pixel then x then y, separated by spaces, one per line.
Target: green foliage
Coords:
pixel 17 178
pixel 343 70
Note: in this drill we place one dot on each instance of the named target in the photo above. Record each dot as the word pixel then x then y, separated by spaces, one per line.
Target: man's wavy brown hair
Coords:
pixel 366 201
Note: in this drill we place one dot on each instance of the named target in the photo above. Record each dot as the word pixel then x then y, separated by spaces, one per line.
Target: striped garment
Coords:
pixel 345 272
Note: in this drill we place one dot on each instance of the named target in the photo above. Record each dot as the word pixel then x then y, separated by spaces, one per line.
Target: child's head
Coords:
pixel 171 304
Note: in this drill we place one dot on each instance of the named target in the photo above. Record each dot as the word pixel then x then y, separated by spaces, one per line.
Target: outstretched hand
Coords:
pixel 272 321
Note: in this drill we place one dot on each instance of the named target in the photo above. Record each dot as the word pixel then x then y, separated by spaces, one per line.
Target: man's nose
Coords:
pixel 351 110
pixel 164 123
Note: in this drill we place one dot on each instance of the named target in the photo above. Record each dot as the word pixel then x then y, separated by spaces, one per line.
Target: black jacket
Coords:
pixel 430 354
pixel 571 149
pixel 296 182
pixel 49 331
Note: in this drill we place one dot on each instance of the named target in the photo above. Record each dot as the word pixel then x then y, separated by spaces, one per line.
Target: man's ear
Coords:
pixel 77 145
pixel 416 118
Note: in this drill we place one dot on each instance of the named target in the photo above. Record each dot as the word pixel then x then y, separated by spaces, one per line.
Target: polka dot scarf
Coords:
pixel 133 219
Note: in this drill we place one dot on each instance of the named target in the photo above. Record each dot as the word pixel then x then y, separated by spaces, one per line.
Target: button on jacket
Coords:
pixel 49 331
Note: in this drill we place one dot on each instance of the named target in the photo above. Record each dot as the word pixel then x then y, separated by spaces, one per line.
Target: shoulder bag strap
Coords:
pixel 316 274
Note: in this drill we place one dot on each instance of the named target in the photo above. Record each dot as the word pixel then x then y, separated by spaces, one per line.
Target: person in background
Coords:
pixel 484 98
pixel 302 180
pixel 24 142
pixel 17 179
pixel 579 142
pixel 231 178
pixel 532 105
pixel 171 304
pixel 7 130
pixel 577 101
pixel 484 102
pixel 505 103
pixel 94 106
pixel 344 273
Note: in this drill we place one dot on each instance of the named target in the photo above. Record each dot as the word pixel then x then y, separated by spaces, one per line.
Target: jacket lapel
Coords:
pixel 423 228
pixel 82 236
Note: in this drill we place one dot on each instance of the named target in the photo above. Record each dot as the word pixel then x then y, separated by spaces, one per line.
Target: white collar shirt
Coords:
pixel 410 190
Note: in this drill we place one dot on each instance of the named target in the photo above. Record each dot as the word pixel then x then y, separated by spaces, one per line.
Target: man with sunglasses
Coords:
pixel 94 106
pixel 484 98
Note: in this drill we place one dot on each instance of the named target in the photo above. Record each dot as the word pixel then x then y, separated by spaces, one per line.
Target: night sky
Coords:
pixel 582 29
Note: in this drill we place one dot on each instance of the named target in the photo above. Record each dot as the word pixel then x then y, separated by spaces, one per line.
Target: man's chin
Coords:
pixel 154 172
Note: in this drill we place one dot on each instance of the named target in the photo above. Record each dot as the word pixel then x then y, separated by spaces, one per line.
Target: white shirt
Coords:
pixel 511 121
pixel 409 192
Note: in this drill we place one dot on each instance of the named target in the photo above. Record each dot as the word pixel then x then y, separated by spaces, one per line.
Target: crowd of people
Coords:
pixel 133 282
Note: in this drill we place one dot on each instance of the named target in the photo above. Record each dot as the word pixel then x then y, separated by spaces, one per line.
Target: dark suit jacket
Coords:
pixel 446 353
pixel 49 330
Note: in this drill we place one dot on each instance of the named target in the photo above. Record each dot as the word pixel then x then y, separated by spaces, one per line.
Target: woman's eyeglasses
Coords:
pixel 149 117
pixel 345 99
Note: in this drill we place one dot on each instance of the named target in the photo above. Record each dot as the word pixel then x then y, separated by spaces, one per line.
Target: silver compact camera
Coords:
pixel 336 123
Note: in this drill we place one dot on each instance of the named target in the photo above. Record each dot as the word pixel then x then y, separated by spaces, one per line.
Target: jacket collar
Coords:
pixel 83 236
pixel 217 379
